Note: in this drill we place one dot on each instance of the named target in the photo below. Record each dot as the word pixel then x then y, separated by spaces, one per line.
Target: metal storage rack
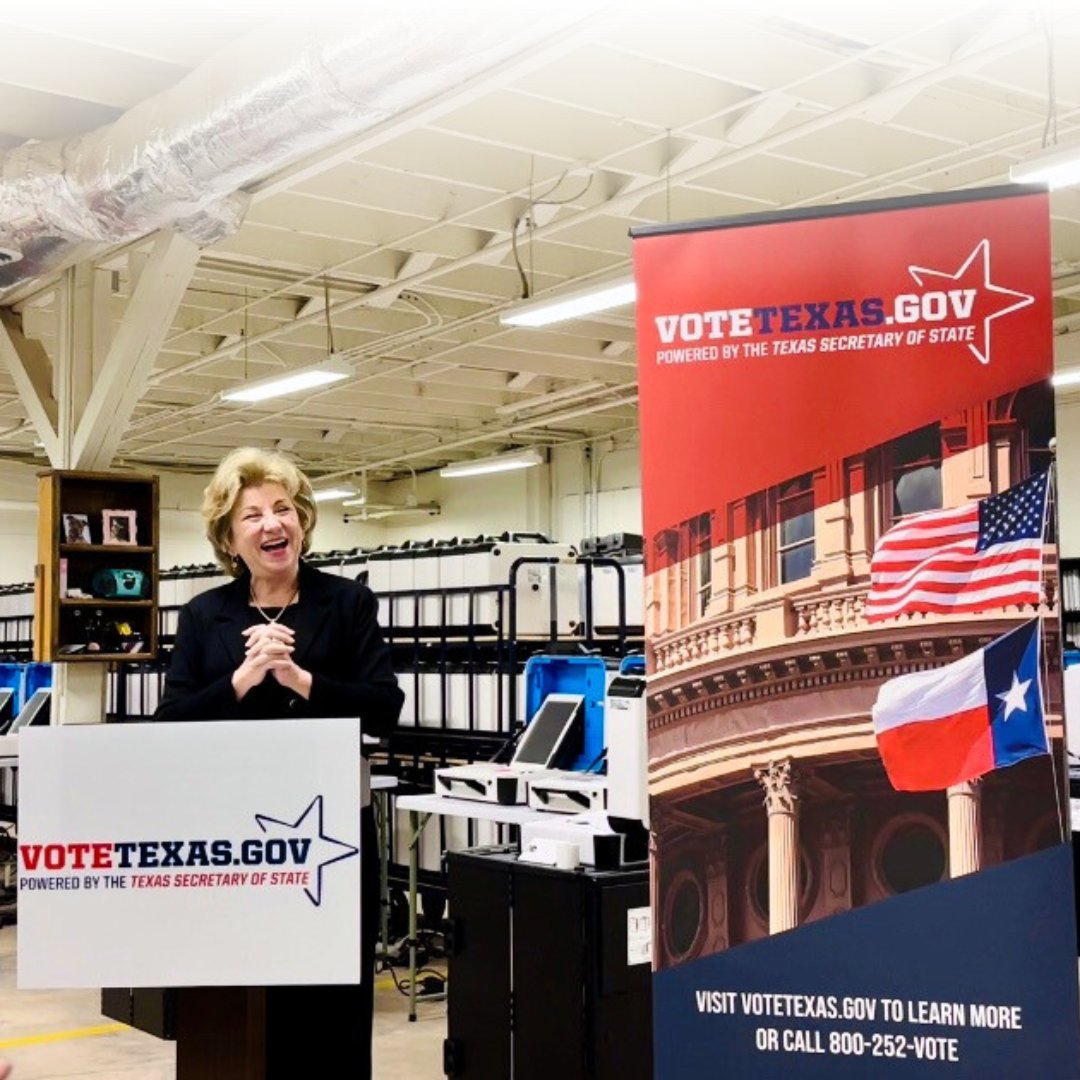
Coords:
pixel 459 650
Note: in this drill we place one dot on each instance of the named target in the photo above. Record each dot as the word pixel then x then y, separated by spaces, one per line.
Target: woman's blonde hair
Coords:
pixel 250 467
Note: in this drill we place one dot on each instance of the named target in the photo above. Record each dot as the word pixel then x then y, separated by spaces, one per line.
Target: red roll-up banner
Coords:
pixel 856 759
pixel 764 342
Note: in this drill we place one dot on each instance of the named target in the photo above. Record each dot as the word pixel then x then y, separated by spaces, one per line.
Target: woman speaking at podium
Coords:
pixel 283 639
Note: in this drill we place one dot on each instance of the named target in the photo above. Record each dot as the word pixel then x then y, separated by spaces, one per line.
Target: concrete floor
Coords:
pixel 50 1034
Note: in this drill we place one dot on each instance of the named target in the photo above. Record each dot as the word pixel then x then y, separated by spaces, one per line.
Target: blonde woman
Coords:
pixel 283 639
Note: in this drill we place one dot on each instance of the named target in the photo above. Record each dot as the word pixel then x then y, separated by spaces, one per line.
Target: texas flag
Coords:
pixel 954 723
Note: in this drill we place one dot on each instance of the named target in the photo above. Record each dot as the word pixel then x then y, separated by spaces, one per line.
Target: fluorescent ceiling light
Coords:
pixel 545 310
pixel 290 382
pixel 1055 166
pixel 520 459
pixel 326 494
pixel 1066 378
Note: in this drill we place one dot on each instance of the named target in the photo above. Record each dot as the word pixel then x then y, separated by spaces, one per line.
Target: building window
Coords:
pixel 795 535
pixel 910 853
pixel 704 569
pixel 700 530
pixel 1032 412
pixel 666 547
pixel 684 909
pixel 916 472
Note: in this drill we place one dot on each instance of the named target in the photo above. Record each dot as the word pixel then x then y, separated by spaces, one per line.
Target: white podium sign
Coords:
pixel 220 853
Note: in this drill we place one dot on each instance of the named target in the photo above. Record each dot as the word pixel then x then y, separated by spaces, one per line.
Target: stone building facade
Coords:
pixel 770 806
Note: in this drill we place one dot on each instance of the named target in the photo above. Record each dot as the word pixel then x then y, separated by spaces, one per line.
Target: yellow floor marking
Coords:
pixel 62 1036
pixel 104 1029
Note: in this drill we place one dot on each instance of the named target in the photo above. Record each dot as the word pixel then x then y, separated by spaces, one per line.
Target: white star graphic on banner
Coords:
pixel 1014 697
pixel 980 251
pixel 324 849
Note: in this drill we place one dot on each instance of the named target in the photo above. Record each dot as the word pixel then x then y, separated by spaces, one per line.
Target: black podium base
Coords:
pixel 220 1033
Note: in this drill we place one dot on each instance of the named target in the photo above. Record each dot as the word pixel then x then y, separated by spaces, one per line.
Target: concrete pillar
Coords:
pixel 965 828
pixel 78 689
pixel 781 804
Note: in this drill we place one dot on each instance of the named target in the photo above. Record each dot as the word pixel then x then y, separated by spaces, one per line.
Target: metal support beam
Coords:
pixel 135 347
pixel 73 375
pixel 30 369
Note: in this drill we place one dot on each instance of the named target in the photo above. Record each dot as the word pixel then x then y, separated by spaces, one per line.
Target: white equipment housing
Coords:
pixel 537 748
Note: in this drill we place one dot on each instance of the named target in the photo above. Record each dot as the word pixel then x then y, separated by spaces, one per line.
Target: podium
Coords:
pixel 220 1031
pixel 214 859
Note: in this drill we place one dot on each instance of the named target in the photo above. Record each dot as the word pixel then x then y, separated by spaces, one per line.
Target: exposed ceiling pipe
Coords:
pixel 438 449
pixel 181 159
pixel 625 201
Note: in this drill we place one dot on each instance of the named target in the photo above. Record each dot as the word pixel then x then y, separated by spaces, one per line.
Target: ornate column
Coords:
pixel 781 803
pixel 716 895
pixel 965 832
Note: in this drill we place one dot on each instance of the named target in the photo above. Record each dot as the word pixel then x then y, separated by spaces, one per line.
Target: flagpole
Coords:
pixel 1064 828
pixel 1051 495
pixel 1044 679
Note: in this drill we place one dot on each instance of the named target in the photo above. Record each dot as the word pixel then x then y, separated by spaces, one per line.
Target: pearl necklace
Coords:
pixel 284 607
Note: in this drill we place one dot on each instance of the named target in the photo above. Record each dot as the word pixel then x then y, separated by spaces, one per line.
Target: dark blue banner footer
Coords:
pixel 975 977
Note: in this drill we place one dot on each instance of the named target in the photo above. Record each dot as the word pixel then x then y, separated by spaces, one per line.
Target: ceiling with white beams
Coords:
pixel 426 223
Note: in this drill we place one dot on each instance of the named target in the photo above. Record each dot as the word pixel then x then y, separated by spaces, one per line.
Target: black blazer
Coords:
pixel 337 639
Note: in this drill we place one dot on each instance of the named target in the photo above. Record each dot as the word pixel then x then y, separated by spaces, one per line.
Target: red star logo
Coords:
pixel 991 301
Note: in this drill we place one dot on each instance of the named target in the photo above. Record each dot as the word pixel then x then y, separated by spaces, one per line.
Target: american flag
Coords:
pixel 976 557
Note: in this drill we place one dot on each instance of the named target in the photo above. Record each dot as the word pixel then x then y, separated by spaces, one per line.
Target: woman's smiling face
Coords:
pixel 265 531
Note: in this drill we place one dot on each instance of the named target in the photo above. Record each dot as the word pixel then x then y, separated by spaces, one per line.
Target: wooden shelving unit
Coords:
pixel 113 612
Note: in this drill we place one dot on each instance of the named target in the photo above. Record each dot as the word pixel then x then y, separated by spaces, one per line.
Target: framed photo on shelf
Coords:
pixel 118 527
pixel 75 529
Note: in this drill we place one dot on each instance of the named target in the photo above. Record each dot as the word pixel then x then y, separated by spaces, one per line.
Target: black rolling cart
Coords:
pixel 546 977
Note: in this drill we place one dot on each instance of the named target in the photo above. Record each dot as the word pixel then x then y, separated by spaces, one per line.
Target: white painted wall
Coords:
pixel 1067 355
pixel 585 490
pixel 18 522
pixel 518 501
pixel 596 489
pixel 183 541
pixel 555 499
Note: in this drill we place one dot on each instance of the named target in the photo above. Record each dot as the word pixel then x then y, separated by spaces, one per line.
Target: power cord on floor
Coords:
pixel 429 982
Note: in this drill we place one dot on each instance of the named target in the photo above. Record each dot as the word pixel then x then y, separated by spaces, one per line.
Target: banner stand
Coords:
pixel 860 860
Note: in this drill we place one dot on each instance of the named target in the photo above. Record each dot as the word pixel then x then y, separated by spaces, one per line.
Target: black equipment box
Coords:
pixel 613 544
pixel 538 980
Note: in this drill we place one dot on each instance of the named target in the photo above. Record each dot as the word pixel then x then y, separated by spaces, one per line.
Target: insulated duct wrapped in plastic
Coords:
pixel 181 159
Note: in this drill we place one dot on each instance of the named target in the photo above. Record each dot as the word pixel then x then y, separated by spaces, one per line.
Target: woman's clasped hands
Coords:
pixel 269 650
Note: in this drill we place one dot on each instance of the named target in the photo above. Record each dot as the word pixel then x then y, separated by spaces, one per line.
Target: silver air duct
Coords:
pixel 181 159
